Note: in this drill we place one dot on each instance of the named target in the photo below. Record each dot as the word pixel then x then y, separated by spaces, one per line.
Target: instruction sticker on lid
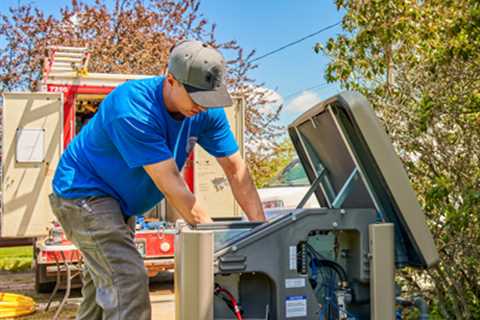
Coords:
pixel 296 306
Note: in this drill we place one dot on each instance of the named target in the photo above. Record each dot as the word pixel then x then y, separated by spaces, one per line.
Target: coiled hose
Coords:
pixel 15 305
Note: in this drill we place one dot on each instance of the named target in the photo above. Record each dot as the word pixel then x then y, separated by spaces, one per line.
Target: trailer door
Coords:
pixel 211 186
pixel 32 144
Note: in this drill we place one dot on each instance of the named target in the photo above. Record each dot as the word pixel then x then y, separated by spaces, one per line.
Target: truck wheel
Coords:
pixel 42 284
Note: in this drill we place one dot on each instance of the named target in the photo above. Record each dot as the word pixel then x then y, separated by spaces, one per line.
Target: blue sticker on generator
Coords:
pixel 296 306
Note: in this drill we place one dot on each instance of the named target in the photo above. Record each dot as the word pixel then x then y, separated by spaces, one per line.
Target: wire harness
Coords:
pixel 229 300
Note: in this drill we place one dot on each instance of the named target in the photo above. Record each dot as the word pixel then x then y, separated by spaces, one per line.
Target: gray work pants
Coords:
pixel 115 282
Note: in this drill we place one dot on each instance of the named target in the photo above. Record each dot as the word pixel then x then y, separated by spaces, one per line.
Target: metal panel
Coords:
pixel 382 271
pixel 270 251
pixel 26 211
pixel 343 133
pixel 211 186
pixel 387 177
pixel 194 275
pixel 30 145
pixel 332 154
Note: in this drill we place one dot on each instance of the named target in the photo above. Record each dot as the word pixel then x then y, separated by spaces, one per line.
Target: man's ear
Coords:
pixel 170 79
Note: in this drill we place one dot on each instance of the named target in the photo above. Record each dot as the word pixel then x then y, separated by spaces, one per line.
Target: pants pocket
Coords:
pixel 59 213
pixel 107 297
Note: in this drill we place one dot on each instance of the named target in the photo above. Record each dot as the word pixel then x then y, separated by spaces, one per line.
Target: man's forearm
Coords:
pixel 187 205
pixel 166 177
pixel 246 194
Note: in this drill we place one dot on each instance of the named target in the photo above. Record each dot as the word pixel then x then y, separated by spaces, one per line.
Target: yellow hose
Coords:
pixel 15 305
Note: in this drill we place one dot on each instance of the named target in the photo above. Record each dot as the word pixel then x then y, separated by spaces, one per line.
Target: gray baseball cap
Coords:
pixel 200 68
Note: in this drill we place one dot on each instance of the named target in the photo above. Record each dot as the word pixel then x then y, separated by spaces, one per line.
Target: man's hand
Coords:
pixel 168 180
pixel 242 186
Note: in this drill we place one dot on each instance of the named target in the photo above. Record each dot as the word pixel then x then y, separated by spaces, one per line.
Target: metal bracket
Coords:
pixel 312 188
pixel 345 191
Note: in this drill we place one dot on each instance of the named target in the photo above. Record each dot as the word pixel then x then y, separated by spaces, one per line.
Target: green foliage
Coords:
pixel 418 64
pixel 272 164
pixel 16 258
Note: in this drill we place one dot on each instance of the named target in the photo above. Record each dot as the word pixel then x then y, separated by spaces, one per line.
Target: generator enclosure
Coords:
pixel 337 261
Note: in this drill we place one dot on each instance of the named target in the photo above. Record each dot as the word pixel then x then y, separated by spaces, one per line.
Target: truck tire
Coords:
pixel 42 284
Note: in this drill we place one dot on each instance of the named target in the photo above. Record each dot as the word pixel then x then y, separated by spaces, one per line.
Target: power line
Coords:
pixel 296 41
pixel 317 87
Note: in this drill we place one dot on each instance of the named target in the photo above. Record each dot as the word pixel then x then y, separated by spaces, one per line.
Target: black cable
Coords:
pixel 323 282
pixel 329 263
pixel 296 41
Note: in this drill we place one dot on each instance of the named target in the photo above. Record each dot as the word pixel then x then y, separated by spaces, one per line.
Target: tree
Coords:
pixel 273 162
pixel 134 37
pixel 418 62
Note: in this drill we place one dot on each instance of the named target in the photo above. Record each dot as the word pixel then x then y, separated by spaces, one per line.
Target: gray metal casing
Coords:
pixel 343 133
pixel 362 185
pixel 263 254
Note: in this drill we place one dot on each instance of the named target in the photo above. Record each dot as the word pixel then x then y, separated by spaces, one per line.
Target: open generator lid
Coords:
pixel 343 148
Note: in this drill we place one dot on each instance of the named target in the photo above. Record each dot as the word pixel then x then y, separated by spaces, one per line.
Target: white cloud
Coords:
pixel 273 96
pixel 298 105
pixel 265 146
pixel 301 103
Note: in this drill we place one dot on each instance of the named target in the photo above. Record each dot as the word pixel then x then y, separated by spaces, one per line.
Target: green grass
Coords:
pixel 16 258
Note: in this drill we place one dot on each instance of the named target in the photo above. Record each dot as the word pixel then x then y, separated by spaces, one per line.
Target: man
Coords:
pixel 127 159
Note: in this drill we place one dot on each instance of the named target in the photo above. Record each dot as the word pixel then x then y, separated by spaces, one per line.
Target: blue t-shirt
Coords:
pixel 133 128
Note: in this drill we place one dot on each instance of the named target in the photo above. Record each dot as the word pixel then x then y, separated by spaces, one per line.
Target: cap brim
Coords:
pixel 216 98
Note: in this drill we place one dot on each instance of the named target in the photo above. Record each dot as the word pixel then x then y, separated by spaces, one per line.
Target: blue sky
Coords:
pixel 267 25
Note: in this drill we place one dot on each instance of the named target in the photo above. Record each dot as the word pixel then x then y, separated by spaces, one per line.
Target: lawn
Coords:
pixel 16 258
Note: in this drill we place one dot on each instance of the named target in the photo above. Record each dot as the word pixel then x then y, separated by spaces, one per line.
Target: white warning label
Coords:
pixel 293 257
pixel 294 283
pixel 296 306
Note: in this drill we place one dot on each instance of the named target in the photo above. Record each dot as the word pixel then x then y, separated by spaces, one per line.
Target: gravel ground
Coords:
pixel 161 295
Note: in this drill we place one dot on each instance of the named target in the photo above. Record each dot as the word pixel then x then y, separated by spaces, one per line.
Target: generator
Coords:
pixel 337 261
